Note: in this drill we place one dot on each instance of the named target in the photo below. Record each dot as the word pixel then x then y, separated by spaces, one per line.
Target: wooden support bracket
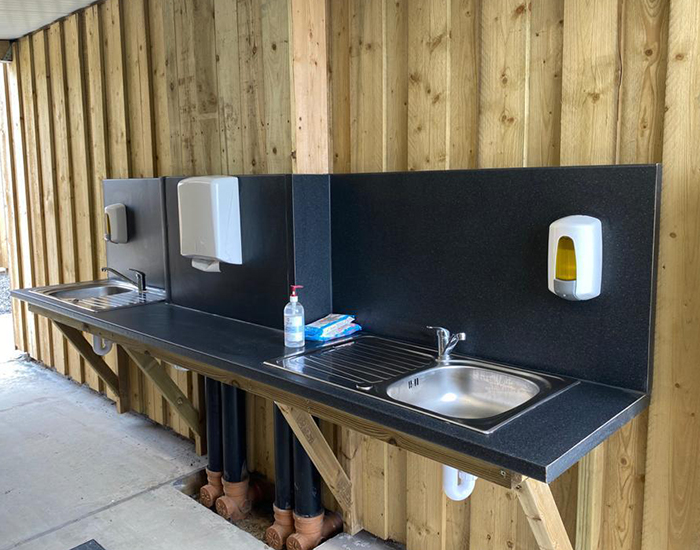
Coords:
pixel 102 369
pixel 173 395
pixel 542 514
pixel 309 435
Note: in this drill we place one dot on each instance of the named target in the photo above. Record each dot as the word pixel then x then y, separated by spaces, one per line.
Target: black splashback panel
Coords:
pixel 258 290
pixel 145 249
pixel 467 250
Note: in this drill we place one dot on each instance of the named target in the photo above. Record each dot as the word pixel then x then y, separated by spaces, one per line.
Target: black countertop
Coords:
pixel 541 443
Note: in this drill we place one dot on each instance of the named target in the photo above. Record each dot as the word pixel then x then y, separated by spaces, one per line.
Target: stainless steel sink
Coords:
pixel 477 394
pixel 101 295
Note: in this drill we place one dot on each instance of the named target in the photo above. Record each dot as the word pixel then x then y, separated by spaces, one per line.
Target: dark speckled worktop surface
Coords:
pixel 542 443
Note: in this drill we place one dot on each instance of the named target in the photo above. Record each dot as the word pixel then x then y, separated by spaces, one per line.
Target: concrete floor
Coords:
pixel 72 470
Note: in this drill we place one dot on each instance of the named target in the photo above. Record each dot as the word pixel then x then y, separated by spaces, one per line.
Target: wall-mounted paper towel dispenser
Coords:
pixel 210 221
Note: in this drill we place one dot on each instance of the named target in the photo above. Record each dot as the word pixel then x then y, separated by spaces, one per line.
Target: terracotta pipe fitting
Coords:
pixel 311 531
pixel 276 535
pixel 212 490
pixel 235 504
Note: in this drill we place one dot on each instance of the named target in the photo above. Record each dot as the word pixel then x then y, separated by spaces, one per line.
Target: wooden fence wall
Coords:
pixel 134 88
pixel 143 87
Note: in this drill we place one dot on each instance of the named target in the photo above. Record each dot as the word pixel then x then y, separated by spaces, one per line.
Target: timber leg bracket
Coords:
pixel 118 383
pixel 309 435
pixel 156 373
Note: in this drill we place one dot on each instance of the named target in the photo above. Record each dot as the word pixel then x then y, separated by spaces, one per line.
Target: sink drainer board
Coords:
pixel 472 393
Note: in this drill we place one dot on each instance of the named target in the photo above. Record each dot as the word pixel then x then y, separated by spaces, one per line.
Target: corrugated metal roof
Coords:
pixel 19 17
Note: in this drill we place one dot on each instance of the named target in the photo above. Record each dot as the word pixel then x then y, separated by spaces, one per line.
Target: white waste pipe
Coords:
pixel 458 485
pixel 100 345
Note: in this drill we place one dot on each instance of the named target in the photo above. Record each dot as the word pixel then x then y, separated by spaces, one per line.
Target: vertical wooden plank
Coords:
pixel 275 46
pixel 310 80
pixel 14 185
pixel 340 87
pixel 138 88
pixel 546 49
pixel 84 209
pixel 52 251
pixel 395 79
pixel 96 125
pixel 425 504
pixel 252 85
pixel 64 183
pixel 503 83
pixel 40 345
pixel 4 246
pixel 645 59
pixel 114 89
pixel 463 94
pixel 229 86
pixel 591 83
pixel 199 117
pixel 164 83
pixel 208 150
pixel 672 513
pixel 640 140
pixel 418 85
pixel 186 84
pixel 367 101
pixel 97 147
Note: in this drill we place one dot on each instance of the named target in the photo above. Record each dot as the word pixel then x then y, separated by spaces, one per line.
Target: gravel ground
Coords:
pixel 4 293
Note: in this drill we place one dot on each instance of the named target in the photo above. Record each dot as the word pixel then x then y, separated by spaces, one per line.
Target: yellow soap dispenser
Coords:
pixel 575 264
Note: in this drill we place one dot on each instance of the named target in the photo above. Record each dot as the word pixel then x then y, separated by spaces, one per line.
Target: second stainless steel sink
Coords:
pixel 102 295
pixel 477 394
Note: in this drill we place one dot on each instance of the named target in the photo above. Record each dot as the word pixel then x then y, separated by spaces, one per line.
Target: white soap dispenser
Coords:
pixel 294 321
pixel 575 263
pixel 116 224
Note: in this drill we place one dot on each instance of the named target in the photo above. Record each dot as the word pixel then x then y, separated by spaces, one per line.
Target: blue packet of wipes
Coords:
pixel 345 331
pixel 328 325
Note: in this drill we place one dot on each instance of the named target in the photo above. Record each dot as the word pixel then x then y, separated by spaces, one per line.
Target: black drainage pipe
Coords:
pixel 284 485
pixel 215 452
pixel 233 405
pixel 307 484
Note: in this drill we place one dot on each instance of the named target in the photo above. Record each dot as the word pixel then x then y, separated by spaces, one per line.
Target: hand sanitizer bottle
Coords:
pixel 294 321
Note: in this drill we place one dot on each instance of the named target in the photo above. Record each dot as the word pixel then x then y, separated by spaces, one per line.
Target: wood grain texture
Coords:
pixel 672 509
pixel 12 179
pixel 538 504
pixel 309 54
pixel 40 346
pixel 64 183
